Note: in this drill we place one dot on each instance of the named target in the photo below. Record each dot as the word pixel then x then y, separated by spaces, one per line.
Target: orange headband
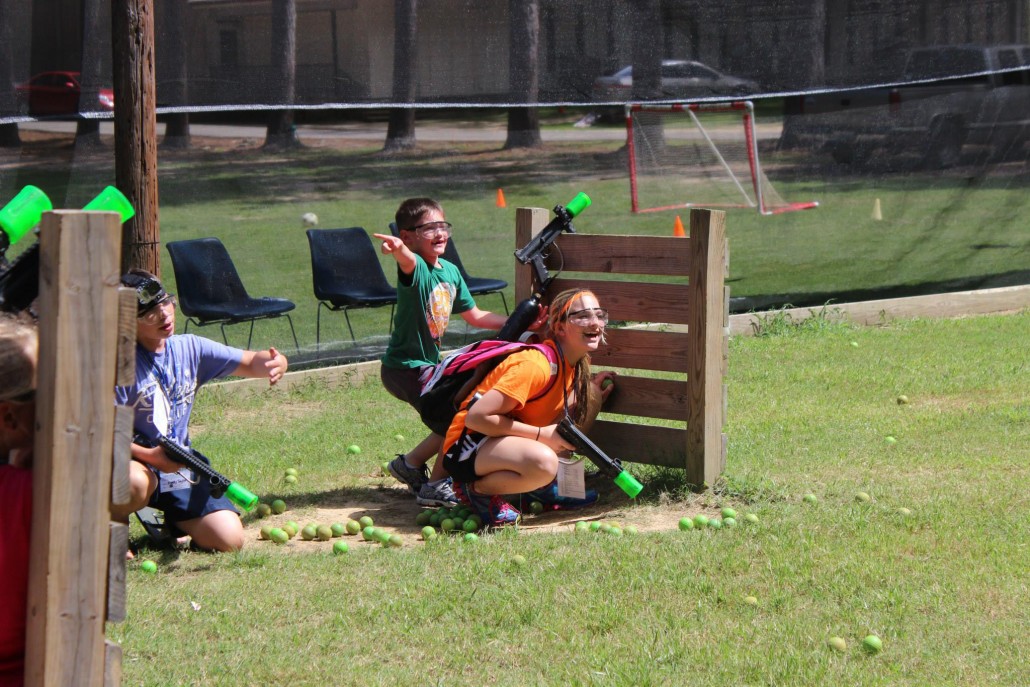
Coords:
pixel 568 303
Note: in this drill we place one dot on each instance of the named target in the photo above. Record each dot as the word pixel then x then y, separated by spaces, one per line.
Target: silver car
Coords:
pixel 680 79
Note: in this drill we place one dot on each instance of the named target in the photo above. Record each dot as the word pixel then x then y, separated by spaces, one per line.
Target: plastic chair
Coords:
pixel 478 286
pixel 211 292
pixel 346 275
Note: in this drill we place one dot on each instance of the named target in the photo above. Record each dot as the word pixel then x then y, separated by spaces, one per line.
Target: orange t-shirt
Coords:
pixel 521 376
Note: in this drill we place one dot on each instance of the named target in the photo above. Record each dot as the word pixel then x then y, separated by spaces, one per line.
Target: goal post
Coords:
pixel 686 155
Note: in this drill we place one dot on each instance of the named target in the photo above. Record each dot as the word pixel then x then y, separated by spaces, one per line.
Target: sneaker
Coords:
pixel 440 494
pixel 552 500
pixel 414 478
pixel 153 522
pixel 495 511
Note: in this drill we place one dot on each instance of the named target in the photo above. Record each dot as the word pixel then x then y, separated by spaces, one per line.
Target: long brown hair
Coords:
pixel 559 312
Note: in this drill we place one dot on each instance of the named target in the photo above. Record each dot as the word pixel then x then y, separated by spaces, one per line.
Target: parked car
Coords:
pixel 57 93
pixel 680 79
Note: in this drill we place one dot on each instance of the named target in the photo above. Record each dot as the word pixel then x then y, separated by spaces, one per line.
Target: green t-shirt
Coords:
pixel 425 300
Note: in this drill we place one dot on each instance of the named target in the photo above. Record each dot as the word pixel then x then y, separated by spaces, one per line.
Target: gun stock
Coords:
pixel 220 484
pixel 608 466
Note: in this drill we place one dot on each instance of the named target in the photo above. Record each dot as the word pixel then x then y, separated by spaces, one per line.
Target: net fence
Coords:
pixel 906 121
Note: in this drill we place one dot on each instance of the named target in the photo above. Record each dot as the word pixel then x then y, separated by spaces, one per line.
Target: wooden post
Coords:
pixel 528 223
pixel 71 533
pixel 135 129
pixel 705 334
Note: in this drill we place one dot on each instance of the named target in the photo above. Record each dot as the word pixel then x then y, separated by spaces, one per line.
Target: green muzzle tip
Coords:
pixel 19 216
pixel 112 200
pixel 629 484
pixel 578 204
pixel 241 496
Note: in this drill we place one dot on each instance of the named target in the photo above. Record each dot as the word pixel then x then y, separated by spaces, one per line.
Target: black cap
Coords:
pixel 149 291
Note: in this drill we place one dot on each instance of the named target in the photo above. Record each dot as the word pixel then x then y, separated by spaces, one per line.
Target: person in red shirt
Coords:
pixel 18 351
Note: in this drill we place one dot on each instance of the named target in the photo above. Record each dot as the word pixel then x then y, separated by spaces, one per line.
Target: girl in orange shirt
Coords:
pixel 505 441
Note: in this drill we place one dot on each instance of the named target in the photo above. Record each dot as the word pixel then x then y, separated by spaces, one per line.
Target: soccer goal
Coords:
pixel 686 155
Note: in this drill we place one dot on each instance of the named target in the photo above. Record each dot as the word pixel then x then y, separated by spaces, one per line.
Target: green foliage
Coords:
pixel 782 322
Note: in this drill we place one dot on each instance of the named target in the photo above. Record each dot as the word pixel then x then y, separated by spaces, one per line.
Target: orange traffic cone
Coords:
pixel 501 203
pixel 677 229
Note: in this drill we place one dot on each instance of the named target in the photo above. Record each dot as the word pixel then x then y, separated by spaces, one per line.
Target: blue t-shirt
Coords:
pixel 167 382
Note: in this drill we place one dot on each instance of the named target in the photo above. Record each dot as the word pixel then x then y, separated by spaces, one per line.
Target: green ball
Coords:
pixel 366 533
pixel 752 518
pixel 340 547
pixel 263 510
pixel 278 535
pixel 536 507
pixel 422 519
pixel 352 526
pixel 435 519
pixel 630 530
pixel 686 524
pixel 837 644
pixel 729 522
pixel 265 532
pixel 890 439
pixel 470 526
pixel 615 531
pixel 902 399
pixel 447 524
pixel 872 644
pixel 700 521
pixel 751 600
pixel 354 449
pixel 338 529
pixel 715 523
pixel 291 472
pixel 278 506
pixel 904 512
pixel 398 437
pixel 595 526
pixel 148 567
pixel 324 533
pixel 519 560
pixel 380 535
pixel 728 513
pixel 385 467
pixel 394 541
pixel 309 533
pixel 581 526
pixel 365 521
pixel 471 536
pixel 428 532
pixel 476 519
pixel 863 497
pixel 606 383
pixel 290 479
pixel 810 498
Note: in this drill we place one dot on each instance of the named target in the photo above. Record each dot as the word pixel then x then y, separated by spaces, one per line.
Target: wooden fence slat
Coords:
pixel 121 455
pixel 125 370
pixel 644 350
pixel 112 664
pixel 640 443
pixel 645 302
pixel 665 399
pixel 607 254
pixel 78 306
pixel 119 544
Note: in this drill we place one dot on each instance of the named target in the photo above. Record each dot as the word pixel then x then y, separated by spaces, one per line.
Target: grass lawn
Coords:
pixel 810 407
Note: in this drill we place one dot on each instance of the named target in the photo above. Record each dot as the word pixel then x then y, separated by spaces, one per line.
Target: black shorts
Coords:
pixel 403 383
pixel 187 503
pixel 460 459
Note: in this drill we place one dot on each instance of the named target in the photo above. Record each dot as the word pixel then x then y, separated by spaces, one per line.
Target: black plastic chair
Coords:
pixel 210 290
pixel 346 274
pixel 478 286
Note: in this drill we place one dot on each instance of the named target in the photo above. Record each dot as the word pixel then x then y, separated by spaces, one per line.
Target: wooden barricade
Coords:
pixel 86 346
pixel 678 328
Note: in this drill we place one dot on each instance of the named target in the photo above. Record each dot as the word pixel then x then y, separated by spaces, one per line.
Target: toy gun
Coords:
pixel 196 461
pixel 19 280
pixel 533 254
pixel 609 467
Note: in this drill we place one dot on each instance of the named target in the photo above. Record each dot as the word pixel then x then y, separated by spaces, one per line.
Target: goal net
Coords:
pixel 685 155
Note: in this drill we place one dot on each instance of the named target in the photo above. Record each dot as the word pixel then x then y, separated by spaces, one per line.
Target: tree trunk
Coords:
pixel 135 130
pixel 87 132
pixel 9 137
pixel 400 132
pixel 523 73
pixel 176 93
pixel 282 133
pixel 646 25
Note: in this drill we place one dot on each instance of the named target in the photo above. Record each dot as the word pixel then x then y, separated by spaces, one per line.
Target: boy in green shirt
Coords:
pixel 429 289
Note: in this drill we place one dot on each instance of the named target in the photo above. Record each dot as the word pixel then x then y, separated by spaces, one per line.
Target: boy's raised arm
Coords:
pixel 393 245
pixel 270 363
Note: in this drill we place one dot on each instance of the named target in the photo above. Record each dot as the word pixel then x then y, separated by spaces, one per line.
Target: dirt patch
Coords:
pixel 393 509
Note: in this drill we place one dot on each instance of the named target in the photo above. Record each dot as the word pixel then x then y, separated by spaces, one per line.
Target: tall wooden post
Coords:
pixel 705 346
pixel 71 556
pixel 135 128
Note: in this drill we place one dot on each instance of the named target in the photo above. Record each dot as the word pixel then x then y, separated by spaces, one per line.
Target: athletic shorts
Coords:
pixel 460 459
pixel 403 383
pixel 180 500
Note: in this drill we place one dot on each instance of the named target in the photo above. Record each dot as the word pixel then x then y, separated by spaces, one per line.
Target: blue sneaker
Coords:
pixel 495 511
pixel 549 497
pixel 413 478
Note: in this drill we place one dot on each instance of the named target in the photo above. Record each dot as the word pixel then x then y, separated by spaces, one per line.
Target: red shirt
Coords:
pixel 15 521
